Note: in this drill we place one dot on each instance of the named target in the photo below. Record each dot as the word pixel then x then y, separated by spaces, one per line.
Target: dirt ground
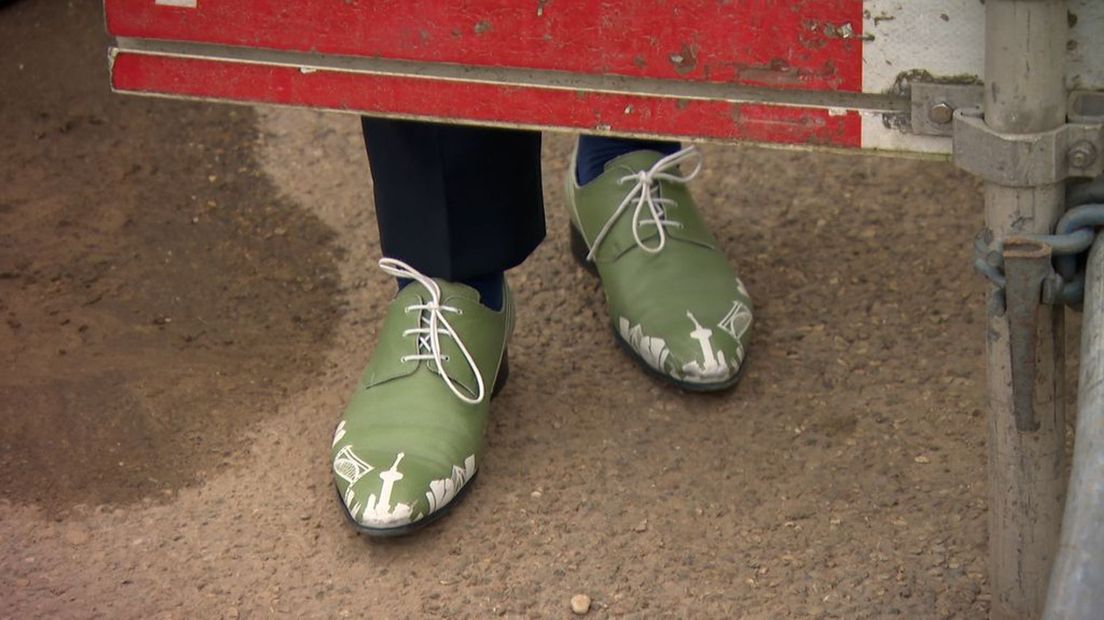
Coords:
pixel 188 292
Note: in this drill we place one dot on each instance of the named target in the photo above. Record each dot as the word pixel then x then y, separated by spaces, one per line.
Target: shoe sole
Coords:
pixel 403 530
pixel 580 250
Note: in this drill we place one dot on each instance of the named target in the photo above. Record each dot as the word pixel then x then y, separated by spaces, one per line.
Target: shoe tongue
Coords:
pixel 456 289
pixel 448 289
pixel 634 161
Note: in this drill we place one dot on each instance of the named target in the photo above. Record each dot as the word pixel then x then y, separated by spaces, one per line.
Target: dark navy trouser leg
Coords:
pixel 455 202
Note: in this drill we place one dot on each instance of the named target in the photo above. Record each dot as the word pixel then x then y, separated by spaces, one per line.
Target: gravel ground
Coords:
pixel 188 293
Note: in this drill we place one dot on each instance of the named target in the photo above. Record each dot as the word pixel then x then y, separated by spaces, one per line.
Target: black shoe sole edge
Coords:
pixel 579 251
pixel 409 528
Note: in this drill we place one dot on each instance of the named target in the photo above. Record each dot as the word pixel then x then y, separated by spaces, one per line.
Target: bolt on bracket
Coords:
pixel 934 103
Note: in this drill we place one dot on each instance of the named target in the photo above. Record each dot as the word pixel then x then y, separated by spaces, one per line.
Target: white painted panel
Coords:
pixel 946 39
pixel 941 37
pixel 876 136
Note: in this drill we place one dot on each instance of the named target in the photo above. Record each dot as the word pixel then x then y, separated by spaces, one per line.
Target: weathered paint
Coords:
pixel 482 103
pixel 813 49
pixel 939 38
pixel 944 39
pixel 1085 48
pixel 805 44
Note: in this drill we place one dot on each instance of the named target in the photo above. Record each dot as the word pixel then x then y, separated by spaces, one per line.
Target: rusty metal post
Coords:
pixel 1026 266
pixel 1025 42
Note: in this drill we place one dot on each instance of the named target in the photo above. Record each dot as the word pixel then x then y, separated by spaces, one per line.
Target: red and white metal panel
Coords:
pixel 822 73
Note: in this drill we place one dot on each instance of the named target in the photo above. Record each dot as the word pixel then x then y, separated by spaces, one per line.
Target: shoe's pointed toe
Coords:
pixel 698 350
pixel 384 492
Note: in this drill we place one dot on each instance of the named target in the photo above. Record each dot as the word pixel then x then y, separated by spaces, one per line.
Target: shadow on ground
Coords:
pixel 156 296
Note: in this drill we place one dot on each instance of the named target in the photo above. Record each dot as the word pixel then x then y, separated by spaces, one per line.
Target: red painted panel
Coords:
pixel 792 44
pixel 528 106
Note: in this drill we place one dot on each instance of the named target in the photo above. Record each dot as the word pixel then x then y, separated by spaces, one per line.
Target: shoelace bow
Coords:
pixel 433 324
pixel 644 193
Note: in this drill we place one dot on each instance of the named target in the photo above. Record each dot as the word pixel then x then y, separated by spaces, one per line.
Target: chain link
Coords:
pixel 1071 240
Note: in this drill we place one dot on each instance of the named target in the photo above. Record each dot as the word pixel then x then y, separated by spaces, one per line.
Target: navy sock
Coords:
pixel 596 151
pixel 489 287
pixel 490 290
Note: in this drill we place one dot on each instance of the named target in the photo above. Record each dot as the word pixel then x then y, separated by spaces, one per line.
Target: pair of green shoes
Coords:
pixel 411 439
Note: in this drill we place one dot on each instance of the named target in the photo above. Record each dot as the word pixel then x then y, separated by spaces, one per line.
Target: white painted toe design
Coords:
pixel 654 351
pixel 378 511
pixel 737 321
pixel 339 433
pixel 740 287
pixel 350 467
pixel 443 491
pixel 713 367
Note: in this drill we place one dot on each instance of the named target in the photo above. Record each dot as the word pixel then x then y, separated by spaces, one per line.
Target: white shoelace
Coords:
pixel 644 193
pixel 433 324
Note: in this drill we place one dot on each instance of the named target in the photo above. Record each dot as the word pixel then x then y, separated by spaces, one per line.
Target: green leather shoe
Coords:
pixel 411 438
pixel 675 303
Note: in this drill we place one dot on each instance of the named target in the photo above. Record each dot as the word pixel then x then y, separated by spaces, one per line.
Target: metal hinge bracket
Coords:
pixel 1027 160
